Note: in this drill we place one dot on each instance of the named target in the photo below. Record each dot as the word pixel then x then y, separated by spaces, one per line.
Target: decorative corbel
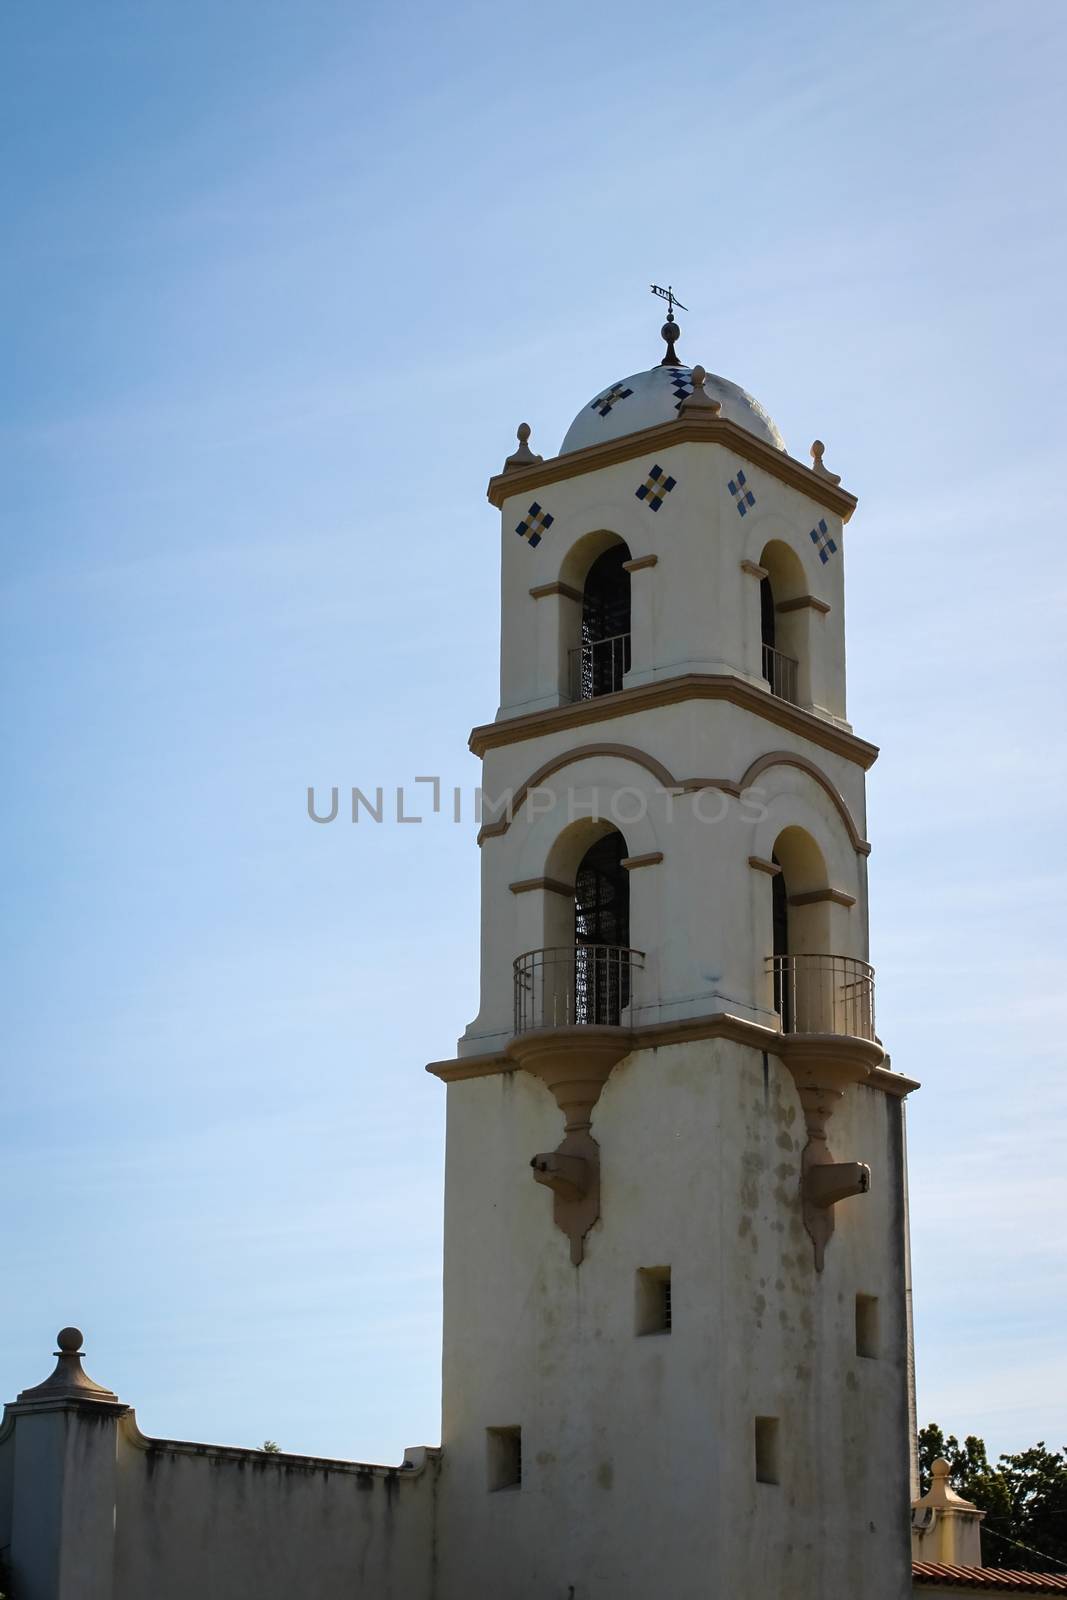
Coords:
pixel 574 1063
pixel 823 1069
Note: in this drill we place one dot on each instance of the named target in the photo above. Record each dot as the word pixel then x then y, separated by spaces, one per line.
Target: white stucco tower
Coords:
pixel 676 1340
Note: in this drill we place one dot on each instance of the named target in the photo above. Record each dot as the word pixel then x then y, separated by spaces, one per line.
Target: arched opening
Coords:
pixel 781 630
pixel 601 655
pixel 584 975
pixel 814 990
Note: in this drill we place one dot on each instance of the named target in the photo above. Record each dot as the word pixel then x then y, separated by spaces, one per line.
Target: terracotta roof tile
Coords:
pixel 990 1578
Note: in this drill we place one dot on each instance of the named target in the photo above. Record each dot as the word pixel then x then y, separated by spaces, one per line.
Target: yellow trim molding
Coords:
pixel 542 590
pixel 671 691
pixel 652 859
pixel 690 427
pixel 837 1049
pixel 666 780
pixel 549 885
pixel 803 602
pixel 815 897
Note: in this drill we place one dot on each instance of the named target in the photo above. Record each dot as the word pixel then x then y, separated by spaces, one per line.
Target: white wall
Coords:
pixel 696 610
pixel 639 1475
pixel 94 1510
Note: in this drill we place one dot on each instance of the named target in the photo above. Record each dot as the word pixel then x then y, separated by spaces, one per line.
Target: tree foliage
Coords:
pixel 1024 1497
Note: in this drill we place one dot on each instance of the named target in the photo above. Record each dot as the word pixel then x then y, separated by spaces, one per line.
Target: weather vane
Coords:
pixel 669 295
pixel 670 329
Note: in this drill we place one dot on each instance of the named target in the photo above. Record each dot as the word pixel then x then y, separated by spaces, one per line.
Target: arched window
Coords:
pixel 780 632
pixel 816 990
pixel 584 973
pixel 603 656
pixel 602 932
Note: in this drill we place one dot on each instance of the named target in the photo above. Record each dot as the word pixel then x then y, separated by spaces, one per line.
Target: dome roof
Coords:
pixel 649 398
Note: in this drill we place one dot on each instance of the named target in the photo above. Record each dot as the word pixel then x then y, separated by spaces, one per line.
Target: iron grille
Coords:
pixel 574 986
pixel 824 994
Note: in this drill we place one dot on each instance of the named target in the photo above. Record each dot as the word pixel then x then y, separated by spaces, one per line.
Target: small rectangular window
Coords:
pixel 504 1457
pixel 653 1300
pixel 767 1450
pixel 867 1325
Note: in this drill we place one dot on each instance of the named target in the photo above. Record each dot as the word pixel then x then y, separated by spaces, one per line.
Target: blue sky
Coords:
pixel 280 282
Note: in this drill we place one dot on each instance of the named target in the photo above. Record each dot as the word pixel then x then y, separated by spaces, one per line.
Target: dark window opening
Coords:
pixel 779 670
pixel 604 654
pixel 653 1300
pixel 766 1441
pixel 783 995
pixel 602 933
pixel 504 1457
pixel 766 605
pixel 867 1326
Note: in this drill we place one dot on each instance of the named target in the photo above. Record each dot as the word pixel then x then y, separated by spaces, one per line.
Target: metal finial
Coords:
pixel 670 330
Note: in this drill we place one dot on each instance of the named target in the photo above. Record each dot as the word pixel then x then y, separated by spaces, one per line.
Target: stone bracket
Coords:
pixel 823 1067
pixel 572 1172
pixel 574 1063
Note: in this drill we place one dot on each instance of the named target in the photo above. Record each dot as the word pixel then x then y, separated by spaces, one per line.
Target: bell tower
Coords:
pixel 676 1329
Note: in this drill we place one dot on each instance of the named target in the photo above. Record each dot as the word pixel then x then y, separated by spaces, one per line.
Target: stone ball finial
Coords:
pixel 940 1468
pixel 818 450
pixel 523 456
pixel 69 1381
pixel 699 399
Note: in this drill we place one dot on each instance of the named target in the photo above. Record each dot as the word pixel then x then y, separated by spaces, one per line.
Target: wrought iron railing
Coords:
pixel 597 668
pixel 574 985
pixel 824 994
pixel 781 673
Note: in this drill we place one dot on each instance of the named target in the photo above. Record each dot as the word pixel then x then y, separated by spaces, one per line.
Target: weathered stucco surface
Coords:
pixel 638 1450
pixel 159 1519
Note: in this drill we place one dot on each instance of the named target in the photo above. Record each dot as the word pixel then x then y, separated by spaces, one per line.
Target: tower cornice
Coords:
pixel 866 1056
pixel 670 691
pixel 691 427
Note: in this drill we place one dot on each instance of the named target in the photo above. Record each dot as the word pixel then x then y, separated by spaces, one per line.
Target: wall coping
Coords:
pixel 414 1464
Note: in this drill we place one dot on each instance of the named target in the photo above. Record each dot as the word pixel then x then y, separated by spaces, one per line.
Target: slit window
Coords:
pixel 867 1326
pixel 654 1312
pixel 504 1457
pixel 766 1433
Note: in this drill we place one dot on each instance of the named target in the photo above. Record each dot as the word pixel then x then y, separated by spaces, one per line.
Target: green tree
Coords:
pixel 1024 1497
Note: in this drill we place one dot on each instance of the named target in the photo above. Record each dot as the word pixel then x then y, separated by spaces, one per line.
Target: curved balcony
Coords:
pixel 574 986
pixel 824 994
